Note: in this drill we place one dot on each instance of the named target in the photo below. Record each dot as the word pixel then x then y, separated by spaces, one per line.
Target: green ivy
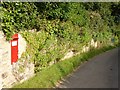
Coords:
pixel 51 29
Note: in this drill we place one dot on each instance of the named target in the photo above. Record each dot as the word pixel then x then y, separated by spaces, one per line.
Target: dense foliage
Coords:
pixel 59 27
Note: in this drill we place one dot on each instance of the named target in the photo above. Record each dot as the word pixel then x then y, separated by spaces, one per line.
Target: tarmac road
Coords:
pixel 99 72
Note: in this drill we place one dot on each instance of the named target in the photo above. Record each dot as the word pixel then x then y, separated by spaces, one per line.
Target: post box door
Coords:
pixel 14 50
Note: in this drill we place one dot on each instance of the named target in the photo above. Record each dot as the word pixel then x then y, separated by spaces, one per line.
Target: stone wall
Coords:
pixel 21 45
pixel 92 43
pixel 9 74
pixel 6 77
pixel 85 48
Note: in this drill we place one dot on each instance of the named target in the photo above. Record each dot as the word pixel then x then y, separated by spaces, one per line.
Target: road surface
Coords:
pixel 99 72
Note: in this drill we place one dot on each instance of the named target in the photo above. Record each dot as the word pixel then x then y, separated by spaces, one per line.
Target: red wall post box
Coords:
pixel 14 48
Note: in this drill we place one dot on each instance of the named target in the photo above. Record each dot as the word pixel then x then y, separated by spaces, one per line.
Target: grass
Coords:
pixel 50 76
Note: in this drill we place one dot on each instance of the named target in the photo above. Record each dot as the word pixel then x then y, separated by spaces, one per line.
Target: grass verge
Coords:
pixel 50 76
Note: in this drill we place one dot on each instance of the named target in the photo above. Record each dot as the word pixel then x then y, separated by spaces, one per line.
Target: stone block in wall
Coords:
pixel 9 80
pixel 21 45
pixel 0 82
pixel 92 42
pixel 1 35
pixel 68 55
pixel 4 75
pixel 1 50
pixel 96 44
pixel 28 73
pixel 84 49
